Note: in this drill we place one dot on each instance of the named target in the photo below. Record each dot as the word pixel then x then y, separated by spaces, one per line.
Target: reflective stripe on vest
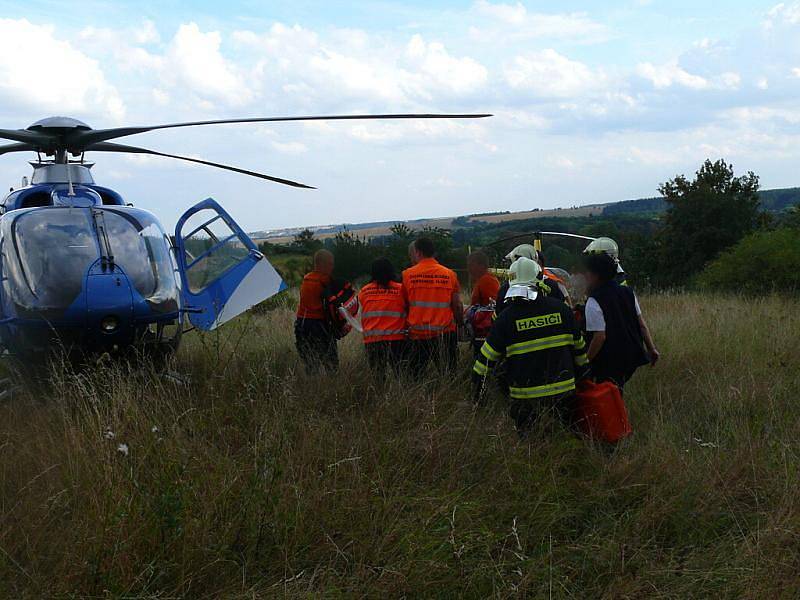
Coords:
pixel 425 304
pixel 429 288
pixel 428 327
pixel 384 333
pixel 383 313
pixel 384 317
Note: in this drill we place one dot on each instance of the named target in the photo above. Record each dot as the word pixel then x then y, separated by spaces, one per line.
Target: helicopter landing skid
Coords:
pixel 176 378
pixel 7 389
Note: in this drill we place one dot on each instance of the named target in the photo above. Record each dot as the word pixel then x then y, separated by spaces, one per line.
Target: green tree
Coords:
pixel 704 217
pixel 305 242
pixel 353 255
pixel 759 264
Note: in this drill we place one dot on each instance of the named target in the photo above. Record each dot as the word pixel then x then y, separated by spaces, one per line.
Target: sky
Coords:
pixel 592 102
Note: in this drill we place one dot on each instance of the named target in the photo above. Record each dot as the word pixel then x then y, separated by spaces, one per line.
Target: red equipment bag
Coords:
pixel 340 298
pixel 600 411
pixel 479 321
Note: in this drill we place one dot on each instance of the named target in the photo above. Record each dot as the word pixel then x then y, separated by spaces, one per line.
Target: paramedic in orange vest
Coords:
pixel 485 285
pixel 485 288
pixel 435 311
pixel 314 337
pixel 383 318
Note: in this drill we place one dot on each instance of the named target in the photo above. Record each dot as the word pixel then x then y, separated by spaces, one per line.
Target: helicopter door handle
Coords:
pixel 256 254
pixel 192 310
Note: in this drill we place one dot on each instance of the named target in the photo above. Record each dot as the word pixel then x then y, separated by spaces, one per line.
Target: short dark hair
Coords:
pixel 479 257
pixel 602 265
pixel 424 245
pixel 382 272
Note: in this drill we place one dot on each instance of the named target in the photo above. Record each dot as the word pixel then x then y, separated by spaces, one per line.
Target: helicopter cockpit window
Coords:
pixel 141 248
pixel 48 255
pixel 211 247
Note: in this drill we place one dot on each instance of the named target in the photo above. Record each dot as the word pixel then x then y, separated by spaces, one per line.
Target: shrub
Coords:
pixel 760 263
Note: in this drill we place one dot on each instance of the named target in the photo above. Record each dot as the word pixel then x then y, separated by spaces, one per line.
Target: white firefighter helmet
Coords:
pixel 524 274
pixel 603 245
pixel 524 271
pixel 522 251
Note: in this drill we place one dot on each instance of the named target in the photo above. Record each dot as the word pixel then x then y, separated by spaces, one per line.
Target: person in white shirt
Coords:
pixel 620 340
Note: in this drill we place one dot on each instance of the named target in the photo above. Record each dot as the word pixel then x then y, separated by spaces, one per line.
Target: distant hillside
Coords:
pixel 771 200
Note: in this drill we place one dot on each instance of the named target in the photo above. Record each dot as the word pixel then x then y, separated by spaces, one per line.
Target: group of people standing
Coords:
pixel 537 346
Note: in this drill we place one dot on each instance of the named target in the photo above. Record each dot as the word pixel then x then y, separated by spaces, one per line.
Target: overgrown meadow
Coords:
pixel 256 480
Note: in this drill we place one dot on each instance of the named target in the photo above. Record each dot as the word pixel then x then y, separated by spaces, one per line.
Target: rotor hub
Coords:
pixel 58 123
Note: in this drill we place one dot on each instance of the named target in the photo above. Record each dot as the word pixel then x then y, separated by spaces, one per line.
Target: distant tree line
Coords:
pixel 715 230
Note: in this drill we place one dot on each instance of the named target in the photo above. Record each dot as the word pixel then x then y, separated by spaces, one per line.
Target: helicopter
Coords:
pixel 83 270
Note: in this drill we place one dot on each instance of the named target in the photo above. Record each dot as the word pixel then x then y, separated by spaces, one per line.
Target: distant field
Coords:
pixel 257 480
pixel 447 222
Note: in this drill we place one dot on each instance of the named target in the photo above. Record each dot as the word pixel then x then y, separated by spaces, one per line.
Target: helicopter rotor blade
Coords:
pixel 19 147
pixel 27 137
pixel 81 139
pixel 122 148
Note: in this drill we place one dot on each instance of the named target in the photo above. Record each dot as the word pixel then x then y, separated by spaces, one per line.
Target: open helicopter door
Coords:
pixel 222 272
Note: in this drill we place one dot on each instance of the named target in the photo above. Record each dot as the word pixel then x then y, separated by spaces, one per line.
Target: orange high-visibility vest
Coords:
pixel 429 288
pixel 383 312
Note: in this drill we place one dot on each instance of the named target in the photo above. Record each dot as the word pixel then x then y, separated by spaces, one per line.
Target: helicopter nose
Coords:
pixel 109 308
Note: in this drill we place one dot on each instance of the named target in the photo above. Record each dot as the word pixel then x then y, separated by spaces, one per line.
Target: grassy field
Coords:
pixel 256 480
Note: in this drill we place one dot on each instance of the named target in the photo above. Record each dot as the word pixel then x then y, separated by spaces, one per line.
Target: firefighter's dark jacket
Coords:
pixel 541 344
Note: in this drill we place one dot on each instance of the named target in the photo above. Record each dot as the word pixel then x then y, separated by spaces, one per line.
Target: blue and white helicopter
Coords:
pixel 82 270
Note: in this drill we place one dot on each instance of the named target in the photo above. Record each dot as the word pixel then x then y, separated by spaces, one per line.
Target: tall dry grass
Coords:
pixel 256 480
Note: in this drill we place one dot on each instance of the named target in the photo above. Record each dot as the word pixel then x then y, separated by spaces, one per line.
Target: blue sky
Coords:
pixel 594 102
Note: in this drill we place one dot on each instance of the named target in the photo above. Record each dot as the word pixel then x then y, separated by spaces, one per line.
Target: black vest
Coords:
pixel 623 351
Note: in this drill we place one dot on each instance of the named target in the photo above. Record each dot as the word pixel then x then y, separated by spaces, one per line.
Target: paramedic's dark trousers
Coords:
pixel 440 351
pixel 383 356
pixel 316 345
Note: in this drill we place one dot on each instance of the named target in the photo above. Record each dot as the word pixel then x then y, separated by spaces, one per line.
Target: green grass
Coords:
pixel 257 480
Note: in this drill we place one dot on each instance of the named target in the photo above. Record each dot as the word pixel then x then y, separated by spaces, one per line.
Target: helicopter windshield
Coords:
pixel 141 248
pixel 47 253
pixel 54 248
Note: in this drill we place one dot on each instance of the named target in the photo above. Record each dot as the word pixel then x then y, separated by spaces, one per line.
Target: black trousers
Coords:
pixel 440 351
pixel 526 412
pixel 383 356
pixel 316 345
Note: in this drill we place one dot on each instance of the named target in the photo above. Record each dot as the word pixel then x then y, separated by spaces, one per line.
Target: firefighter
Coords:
pixel 383 318
pixel 620 340
pixel 314 336
pixel 605 245
pixel 543 350
pixel 435 311
pixel 548 286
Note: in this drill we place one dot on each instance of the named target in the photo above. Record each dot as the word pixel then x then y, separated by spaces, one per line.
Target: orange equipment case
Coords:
pixel 600 411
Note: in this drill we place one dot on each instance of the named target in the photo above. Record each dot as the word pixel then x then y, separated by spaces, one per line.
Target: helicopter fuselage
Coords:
pixel 83 271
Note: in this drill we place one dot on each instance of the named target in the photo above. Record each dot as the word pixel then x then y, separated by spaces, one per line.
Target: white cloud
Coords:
pixel 39 71
pixel 147 33
pixel 783 13
pixel 671 74
pixel 433 63
pixel 514 22
pixel 290 147
pixel 195 60
pixel 550 74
